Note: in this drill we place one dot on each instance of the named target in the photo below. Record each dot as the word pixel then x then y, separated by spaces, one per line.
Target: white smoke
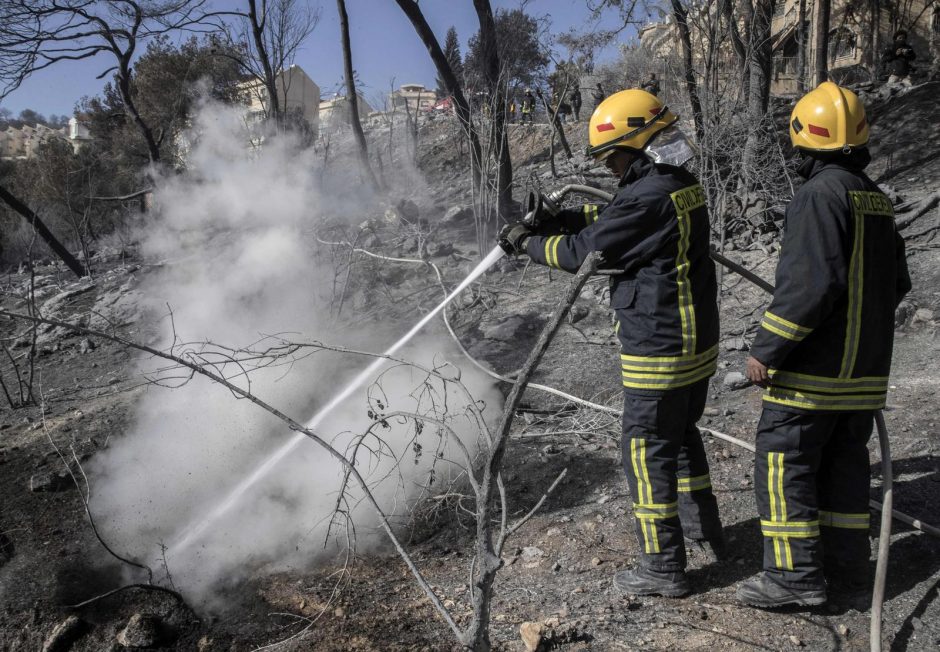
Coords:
pixel 236 232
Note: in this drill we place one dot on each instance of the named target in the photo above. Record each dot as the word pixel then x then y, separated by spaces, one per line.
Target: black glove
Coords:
pixel 512 238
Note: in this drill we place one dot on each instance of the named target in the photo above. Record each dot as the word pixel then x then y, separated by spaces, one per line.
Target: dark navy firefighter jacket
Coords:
pixel 656 230
pixel 828 333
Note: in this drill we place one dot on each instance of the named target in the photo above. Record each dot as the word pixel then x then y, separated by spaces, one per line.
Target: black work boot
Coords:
pixel 644 581
pixel 762 591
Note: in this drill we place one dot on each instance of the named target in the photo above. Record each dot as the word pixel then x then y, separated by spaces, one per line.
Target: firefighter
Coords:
pixel 651 85
pixel 656 231
pixel 574 97
pixel 528 106
pixel 897 57
pixel 598 95
pixel 823 351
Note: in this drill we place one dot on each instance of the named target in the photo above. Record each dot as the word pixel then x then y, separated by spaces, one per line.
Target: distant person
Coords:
pixel 599 95
pixel 574 97
pixel 528 106
pixel 512 111
pixel 897 58
pixel 562 108
pixel 651 85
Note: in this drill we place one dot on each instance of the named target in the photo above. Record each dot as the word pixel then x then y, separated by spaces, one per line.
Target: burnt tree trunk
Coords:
pixel 27 214
pixel 491 68
pixel 270 74
pixel 801 48
pixel 822 41
pixel 685 39
pixel 461 107
pixel 351 98
pixel 758 97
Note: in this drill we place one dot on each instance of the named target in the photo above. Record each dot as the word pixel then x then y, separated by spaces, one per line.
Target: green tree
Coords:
pixel 168 81
pixel 522 57
pixel 454 58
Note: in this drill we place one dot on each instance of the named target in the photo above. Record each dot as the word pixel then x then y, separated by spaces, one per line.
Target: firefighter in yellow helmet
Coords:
pixel 823 352
pixel 656 233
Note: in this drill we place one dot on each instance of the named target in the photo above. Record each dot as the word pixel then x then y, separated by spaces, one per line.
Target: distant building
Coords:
pixel 414 97
pixel 855 43
pixel 298 95
pixel 22 142
pixel 334 112
pixel 78 133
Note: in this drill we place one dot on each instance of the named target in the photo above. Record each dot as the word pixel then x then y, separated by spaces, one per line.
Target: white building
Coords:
pixel 297 95
pixel 414 97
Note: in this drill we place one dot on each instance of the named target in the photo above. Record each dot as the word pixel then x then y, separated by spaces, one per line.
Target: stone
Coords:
pixel 734 344
pixel 49 482
pixel 796 640
pixel 596 561
pixel 711 412
pixel 86 346
pixel 922 316
pixel 458 214
pixel 532 553
pixel 735 380
pixel 408 210
pixel 843 630
pixel 531 634
pixel 142 630
pixel 64 634
pixel 505 330
pixel 904 313
pixel 890 191
pixel 577 313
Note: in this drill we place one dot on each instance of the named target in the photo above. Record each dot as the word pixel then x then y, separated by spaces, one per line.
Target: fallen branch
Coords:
pixel 905 220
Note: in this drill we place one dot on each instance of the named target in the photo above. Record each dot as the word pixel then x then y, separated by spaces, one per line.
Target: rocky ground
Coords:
pixel 556 579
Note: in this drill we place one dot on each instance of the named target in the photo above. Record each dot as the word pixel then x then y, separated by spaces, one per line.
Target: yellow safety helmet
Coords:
pixel 829 118
pixel 627 120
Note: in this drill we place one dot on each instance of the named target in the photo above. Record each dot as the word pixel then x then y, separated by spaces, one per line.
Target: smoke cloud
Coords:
pixel 241 262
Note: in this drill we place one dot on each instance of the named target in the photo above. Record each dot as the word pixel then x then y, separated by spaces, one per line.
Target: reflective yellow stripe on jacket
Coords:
pixel 686 201
pixel 811 392
pixel 667 372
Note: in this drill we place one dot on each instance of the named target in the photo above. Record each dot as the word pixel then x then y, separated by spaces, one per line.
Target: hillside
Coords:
pixel 96 393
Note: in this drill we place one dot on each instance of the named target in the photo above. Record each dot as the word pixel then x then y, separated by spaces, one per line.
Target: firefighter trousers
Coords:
pixel 667 472
pixel 811 480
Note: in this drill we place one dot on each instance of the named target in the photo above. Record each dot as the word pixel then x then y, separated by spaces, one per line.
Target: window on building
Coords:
pixel 842 42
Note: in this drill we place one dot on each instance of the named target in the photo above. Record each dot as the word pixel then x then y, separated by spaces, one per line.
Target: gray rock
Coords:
pixel 64 634
pixel 142 630
pixel 86 346
pixel 506 330
pixel 49 482
pixel 711 412
pixel 578 312
pixel 457 214
pixel 408 210
pixel 890 191
pixel 904 313
pixel 735 380
pixel 734 344
pixel 532 553
pixel 922 316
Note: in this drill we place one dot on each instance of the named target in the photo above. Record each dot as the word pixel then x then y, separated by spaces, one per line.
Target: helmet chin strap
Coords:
pixel 594 151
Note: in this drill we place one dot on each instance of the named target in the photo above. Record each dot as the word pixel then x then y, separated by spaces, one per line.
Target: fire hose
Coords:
pixel 536 204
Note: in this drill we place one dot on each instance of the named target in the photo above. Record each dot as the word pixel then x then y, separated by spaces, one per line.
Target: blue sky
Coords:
pixel 385 47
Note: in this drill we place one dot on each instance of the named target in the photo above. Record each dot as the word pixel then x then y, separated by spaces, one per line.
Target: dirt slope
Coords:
pixel 559 565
